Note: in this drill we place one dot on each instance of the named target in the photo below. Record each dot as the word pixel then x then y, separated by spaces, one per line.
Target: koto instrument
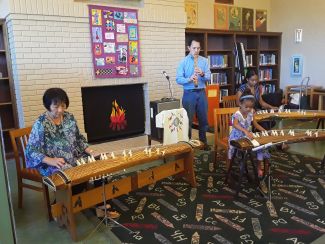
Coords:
pixel 178 160
pixel 288 114
pixel 265 139
pixel 276 136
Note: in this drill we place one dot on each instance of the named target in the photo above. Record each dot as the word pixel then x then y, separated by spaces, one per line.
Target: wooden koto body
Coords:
pixel 276 136
pixel 178 161
pixel 288 114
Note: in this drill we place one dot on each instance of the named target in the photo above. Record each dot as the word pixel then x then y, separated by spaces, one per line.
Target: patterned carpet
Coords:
pixel 172 212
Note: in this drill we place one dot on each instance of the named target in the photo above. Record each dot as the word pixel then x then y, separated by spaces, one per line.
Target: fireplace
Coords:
pixel 112 112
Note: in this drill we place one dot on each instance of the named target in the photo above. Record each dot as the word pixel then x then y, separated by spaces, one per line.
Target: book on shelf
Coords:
pixel 240 55
pixel 223 92
pixel 267 59
pixel 249 60
pixel 218 61
pixel 240 62
pixel 265 74
pixel 238 78
pixel 218 78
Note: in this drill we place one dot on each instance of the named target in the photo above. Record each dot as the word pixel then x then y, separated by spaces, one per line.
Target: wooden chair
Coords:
pixel 222 119
pixel 19 139
pixel 229 101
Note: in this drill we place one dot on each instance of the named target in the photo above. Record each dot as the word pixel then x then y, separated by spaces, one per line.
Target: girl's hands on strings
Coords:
pixel 249 134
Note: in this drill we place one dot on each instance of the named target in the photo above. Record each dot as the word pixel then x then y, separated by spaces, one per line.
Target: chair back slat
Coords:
pixel 222 118
pixel 19 140
pixel 23 140
pixel 229 101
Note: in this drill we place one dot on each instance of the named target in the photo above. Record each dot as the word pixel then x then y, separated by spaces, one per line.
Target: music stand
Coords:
pixel 105 179
pixel 268 175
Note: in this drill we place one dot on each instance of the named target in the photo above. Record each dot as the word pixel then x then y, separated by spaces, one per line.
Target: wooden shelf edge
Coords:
pixel 272 80
pixel 4 78
pixel 269 50
pixel 5 103
pixel 268 65
pixel 224 85
pixel 201 50
pixel 220 50
pixel 219 68
pixel 7 129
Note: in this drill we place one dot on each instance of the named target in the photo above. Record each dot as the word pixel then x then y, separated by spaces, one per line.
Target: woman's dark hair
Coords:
pixel 55 96
pixel 247 95
pixel 249 74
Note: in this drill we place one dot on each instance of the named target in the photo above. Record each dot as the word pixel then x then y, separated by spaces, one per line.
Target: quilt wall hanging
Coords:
pixel 114 42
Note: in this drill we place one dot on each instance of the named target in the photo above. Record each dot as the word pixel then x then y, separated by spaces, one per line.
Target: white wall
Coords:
pixel 50 46
pixel 308 15
pixel 4 8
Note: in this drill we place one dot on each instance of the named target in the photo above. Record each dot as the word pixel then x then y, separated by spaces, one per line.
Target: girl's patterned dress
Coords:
pixel 236 134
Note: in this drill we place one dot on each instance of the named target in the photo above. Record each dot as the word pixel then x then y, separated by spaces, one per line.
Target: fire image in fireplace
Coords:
pixel 118 119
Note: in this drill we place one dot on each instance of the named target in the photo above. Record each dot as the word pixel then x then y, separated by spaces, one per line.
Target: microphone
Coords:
pixel 165 74
pixel 169 86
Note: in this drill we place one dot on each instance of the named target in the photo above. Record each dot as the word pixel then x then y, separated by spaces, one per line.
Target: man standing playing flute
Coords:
pixel 192 73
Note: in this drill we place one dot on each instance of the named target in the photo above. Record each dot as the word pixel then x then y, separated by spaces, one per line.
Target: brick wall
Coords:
pixel 50 47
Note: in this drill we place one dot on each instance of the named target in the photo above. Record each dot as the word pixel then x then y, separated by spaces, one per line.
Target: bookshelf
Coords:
pixel 7 106
pixel 262 51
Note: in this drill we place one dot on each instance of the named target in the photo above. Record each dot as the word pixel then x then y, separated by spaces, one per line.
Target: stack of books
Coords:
pixel 218 78
pixel 218 61
pixel 267 59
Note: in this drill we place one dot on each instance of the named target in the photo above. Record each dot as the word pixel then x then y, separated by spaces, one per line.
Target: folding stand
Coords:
pixel 244 154
pixel 104 180
pixel 322 167
pixel 268 176
pixel 243 166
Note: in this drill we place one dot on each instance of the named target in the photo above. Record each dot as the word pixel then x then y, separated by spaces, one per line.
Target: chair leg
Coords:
pixel 322 167
pixel 20 193
pixel 47 202
pixel 241 173
pixel 228 171
pixel 318 123
pixel 229 164
pixel 254 169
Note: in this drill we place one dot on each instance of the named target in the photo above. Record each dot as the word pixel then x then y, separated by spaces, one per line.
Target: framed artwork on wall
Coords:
pixel 296 66
pixel 191 9
pixel 221 21
pixel 247 19
pixel 261 20
pixel 234 18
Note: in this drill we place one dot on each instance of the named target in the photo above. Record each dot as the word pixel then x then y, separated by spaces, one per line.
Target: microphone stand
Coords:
pixel 171 98
pixel 170 90
pixel 301 88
